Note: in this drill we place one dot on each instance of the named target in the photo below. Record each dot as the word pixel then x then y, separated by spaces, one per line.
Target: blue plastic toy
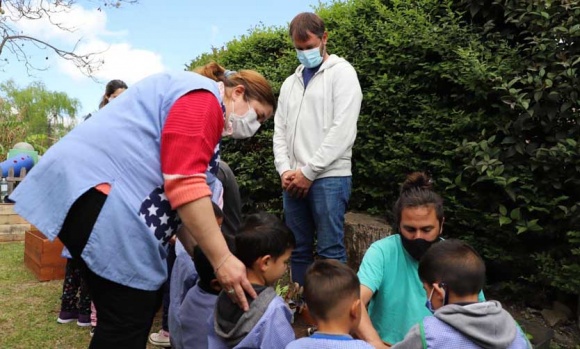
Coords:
pixel 17 162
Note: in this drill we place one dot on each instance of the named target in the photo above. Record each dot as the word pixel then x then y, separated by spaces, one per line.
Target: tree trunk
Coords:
pixel 360 231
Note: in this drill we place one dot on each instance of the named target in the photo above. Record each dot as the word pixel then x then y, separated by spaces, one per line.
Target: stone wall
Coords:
pixel 12 226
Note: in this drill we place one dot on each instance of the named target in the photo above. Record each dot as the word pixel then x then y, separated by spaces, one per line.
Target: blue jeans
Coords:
pixel 318 217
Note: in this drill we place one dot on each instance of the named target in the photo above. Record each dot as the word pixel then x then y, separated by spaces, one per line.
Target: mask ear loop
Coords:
pixel 431 294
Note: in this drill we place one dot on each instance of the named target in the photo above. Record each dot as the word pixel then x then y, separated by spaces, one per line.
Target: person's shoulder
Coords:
pixel 295 74
pixel 381 251
pixel 299 343
pixel 360 344
pixel 338 63
pixel 387 243
pixel 279 303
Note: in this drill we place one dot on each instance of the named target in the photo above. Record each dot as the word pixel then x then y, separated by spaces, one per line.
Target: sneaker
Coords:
pixel 64 317
pixel 84 320
pixel 92 333
pixel 160 339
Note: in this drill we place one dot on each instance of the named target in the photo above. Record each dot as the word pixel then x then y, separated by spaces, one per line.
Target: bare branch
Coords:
pixel 28 10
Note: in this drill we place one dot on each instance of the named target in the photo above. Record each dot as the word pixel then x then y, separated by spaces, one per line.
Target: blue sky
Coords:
pixel 139 40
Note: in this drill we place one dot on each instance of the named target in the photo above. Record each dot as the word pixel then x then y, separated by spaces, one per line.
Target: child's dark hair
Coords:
pixel 204 267
pixel 453 263
pixel 417 191
pixel 217 211
pixel 326 283
pixel 262 234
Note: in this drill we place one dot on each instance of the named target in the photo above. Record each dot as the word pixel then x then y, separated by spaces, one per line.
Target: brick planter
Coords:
pixel 43 257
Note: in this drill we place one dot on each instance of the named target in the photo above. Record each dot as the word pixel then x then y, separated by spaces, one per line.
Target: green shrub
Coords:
pixel 483 95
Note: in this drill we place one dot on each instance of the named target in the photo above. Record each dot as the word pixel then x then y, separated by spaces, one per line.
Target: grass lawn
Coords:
pixel 29 308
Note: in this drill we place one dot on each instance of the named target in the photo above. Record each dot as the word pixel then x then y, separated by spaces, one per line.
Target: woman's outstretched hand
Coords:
pixel 232 276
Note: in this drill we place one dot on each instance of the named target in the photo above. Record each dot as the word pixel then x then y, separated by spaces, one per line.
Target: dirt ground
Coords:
pixel 564 335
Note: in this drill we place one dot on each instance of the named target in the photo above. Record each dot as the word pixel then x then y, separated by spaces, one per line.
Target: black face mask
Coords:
pixel 417 247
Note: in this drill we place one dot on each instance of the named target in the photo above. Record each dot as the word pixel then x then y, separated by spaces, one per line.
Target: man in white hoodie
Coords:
pixel 315 128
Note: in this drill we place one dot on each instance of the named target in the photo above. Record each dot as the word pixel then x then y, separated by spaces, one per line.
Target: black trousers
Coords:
pixel 125 313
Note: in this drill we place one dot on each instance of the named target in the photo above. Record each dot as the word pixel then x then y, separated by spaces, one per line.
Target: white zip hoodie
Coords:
pixel 315 128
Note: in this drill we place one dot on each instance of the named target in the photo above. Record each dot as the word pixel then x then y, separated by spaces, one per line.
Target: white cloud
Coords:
pixel 89 30
pixel 121 61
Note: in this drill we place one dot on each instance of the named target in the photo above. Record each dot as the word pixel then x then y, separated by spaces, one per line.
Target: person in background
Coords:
pixel 115 189
pixel 315 129
pixel 73 307
pixel 112 90
pixel 231 197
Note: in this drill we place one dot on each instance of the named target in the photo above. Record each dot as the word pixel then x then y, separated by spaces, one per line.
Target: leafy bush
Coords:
pixel 482 94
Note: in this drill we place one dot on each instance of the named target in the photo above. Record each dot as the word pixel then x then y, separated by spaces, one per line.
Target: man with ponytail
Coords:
pixel 147 153
pixel 391 290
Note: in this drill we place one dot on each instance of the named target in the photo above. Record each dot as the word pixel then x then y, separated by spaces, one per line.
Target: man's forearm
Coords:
pixel 367 332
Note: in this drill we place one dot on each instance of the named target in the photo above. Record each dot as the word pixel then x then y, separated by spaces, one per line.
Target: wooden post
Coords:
pixel 13 180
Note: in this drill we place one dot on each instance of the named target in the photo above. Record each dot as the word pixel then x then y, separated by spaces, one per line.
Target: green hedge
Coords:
pixel 481 94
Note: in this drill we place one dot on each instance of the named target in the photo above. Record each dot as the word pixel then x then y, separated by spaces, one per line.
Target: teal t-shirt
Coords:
pixel 398 300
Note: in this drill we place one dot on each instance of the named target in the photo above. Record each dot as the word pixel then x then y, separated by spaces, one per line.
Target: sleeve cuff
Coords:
pixel 283 169
pixel 185 190
pixel 309 173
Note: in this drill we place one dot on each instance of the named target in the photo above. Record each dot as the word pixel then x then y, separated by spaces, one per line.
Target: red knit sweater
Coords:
pixel 192 130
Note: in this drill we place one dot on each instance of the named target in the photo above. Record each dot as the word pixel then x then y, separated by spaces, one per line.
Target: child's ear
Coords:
pixel 264 262
pixel 215 285
pixel 355 309
pixel 439 290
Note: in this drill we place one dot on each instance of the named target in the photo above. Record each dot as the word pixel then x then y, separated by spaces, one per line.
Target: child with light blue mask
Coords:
pixel 453 275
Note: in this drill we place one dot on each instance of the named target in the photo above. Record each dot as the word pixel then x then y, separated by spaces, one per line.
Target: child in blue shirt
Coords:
pixel 453 275
pixel 264 245
pixel 332 295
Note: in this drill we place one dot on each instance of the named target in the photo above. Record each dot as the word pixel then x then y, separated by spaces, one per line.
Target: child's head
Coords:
pixel 218 213
pixel 332 292
pixel 207 278
pixel 264 245
pixel 451 267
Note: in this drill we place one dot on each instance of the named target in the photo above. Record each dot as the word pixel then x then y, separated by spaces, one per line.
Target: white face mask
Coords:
pixel 241 126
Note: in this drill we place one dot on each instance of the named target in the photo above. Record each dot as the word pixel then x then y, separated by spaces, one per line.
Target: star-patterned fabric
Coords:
pixel 156 212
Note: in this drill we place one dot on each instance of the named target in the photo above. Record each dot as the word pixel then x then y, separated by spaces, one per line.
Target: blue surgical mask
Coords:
pixel 310 58
pixel 428 304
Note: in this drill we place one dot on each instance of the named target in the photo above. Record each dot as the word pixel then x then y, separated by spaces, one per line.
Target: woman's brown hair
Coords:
pixel 255 84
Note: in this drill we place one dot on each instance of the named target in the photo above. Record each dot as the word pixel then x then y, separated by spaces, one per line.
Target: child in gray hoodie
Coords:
pixel 453 274
pixel 264 245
